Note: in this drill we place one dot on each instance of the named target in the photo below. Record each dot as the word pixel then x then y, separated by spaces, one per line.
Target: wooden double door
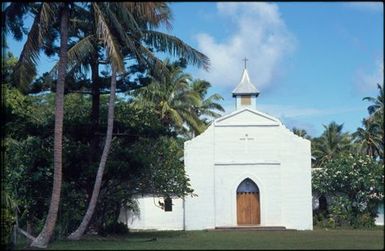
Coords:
pixel 248 208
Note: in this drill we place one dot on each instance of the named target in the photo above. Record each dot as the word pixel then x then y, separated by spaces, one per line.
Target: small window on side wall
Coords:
pixel 168 204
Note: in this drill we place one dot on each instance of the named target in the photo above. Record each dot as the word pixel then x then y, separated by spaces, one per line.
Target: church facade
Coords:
pixel 247 169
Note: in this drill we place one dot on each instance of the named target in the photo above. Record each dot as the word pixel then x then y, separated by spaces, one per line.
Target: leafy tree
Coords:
pixel 162 160
pixel 29 167
pixel 355 184
pixel 42 34
pixel 9 62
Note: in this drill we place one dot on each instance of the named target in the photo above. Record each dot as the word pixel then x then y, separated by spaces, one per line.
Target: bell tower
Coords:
pixel 245 93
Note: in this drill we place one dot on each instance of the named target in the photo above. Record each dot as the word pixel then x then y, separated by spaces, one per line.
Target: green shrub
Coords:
pixel 319 220
pixel 114 228
pixel 356 185
pixel 331 223
pixel 363 221
pixel 7 222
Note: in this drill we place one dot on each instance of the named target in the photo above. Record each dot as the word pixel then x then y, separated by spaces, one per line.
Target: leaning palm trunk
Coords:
pixel 78 233
pixel 44 237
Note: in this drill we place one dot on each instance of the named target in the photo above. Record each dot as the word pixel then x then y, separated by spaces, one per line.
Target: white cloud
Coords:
pixel 257 32
pixel 367 81
pixel 367 6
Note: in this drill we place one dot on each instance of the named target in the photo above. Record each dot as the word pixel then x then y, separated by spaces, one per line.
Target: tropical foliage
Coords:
pixel 28 162
pixel 133 142
pixel 178 101
pixel 355 186
pixel 370 139
pixel 301 133
pixel 348 169
pixel 331 143
pixel 132 168
pixel 93 32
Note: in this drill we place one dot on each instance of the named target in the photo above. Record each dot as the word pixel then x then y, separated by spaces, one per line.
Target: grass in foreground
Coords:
pixel 316 239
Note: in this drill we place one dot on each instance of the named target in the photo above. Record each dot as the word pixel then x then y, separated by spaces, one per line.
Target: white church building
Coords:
pixel 247 169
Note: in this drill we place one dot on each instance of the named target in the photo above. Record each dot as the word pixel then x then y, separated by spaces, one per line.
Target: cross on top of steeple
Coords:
pixel 245 87
pixel 245 59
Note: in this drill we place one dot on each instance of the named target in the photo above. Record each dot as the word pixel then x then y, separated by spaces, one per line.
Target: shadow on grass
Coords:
pixel 138 236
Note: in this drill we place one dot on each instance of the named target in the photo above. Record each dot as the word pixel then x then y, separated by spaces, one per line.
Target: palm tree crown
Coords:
pixel 331 143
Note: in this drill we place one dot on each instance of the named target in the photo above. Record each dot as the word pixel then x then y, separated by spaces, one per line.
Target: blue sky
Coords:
pixel 312 62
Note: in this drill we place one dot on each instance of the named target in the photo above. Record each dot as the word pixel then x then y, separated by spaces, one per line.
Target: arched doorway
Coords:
pixel 248 206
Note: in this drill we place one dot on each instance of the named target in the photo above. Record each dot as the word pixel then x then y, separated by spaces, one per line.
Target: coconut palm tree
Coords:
pixel 121 38
pixel 120 34
pixel 374 126
pixel 369 138
pixel 25 69
pixel 172 100
pixel 301 132
pixel 44 237
pixel 77 234
pixel 331 143
pixel 27 63
pixel 209 107
pixel 45 16
pixel 377 103
pixel 131 25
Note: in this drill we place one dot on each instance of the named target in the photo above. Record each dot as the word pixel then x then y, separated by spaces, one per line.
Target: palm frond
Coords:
pixel 25 69
pixel 176 47
pixel 151 13
pixel 127 18
pixel 109 40
pixel 122 32
pixel 45 19
pixel 13 19
pixel 175 117
pixel 77 54
pixel 158 67
pixel 193 121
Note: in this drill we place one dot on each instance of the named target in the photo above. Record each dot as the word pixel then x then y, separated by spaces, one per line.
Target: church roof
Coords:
pixel 245 87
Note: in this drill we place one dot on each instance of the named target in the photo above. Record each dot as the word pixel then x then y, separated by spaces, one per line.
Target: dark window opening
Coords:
pixel 247 186
pixel 168 204
pixel 323 203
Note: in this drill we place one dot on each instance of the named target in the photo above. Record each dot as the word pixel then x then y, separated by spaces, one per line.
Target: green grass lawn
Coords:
pixel 316 239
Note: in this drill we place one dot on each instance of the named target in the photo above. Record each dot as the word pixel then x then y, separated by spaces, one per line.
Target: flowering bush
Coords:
pixel 355 184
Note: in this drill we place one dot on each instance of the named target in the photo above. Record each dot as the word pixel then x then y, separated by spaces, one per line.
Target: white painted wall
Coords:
pixel 217 161
pixel 266 176
pixel 240 106
pixel 278 161
pixel 198 159
pixel 297 210
pixel 152 217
